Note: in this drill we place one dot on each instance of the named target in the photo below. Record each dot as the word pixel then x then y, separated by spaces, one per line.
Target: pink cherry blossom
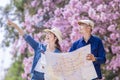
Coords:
pixel 34 3
pixel 111 28
pixel 101 7
pixel 113 36
pixel 50 13
pixel 92 13
pixel 24 75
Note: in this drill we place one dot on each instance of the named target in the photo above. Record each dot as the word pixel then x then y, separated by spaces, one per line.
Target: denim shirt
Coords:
pixel 97 50
pixel 38 48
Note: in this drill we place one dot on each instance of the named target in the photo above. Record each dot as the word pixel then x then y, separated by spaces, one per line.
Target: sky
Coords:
pixel 5 56
pixel 3 3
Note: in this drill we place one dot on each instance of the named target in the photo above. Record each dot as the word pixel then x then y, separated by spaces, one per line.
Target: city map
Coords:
pixel 71 65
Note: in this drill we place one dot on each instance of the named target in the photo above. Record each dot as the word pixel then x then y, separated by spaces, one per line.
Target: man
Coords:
pixel 98 53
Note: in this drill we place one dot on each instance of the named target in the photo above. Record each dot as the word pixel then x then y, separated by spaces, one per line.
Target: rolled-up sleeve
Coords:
pixel 34 44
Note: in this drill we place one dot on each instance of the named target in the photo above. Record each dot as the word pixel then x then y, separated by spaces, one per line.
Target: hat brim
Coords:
pixel 81 23
pixel 48 30
pixel 89 23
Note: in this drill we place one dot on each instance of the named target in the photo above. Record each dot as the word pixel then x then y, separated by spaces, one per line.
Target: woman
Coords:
pixel 53 37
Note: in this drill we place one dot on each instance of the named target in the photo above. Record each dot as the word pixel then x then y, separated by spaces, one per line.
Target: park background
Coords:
pixel 35 15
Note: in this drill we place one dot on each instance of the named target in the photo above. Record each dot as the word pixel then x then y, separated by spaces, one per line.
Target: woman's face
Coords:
pixel 50 38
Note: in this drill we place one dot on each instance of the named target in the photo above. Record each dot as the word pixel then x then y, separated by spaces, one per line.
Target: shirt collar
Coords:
pixel 57 50
pixel 90 39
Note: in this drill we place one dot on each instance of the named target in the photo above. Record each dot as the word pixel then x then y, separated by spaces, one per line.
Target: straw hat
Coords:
pixel 55 31
pixel 88 22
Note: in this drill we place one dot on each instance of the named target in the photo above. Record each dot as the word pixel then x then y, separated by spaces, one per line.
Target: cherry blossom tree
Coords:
pixel 64 14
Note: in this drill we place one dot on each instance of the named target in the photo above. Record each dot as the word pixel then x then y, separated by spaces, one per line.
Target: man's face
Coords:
pixel 84 28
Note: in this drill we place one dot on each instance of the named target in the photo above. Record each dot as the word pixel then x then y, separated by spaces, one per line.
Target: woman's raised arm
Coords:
pixel 34 44
pixel 10 23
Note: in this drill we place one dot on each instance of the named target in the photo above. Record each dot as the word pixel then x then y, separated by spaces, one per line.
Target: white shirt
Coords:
pixel 40 66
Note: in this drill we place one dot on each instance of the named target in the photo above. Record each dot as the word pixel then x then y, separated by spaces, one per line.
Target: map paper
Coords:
pixel 70 65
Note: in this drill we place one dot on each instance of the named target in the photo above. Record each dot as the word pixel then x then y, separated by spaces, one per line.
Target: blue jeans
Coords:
pixel 37 76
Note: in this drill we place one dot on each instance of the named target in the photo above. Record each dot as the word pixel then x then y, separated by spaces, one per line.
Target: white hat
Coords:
pixel 55 31
pixel 88 22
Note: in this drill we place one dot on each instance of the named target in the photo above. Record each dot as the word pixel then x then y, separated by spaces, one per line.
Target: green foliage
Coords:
pixel 19 4
pixel 14 73
pixel 63 3
pixel 110 75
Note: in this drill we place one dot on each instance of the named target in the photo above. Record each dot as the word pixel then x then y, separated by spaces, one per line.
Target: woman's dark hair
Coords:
pixel 58 45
